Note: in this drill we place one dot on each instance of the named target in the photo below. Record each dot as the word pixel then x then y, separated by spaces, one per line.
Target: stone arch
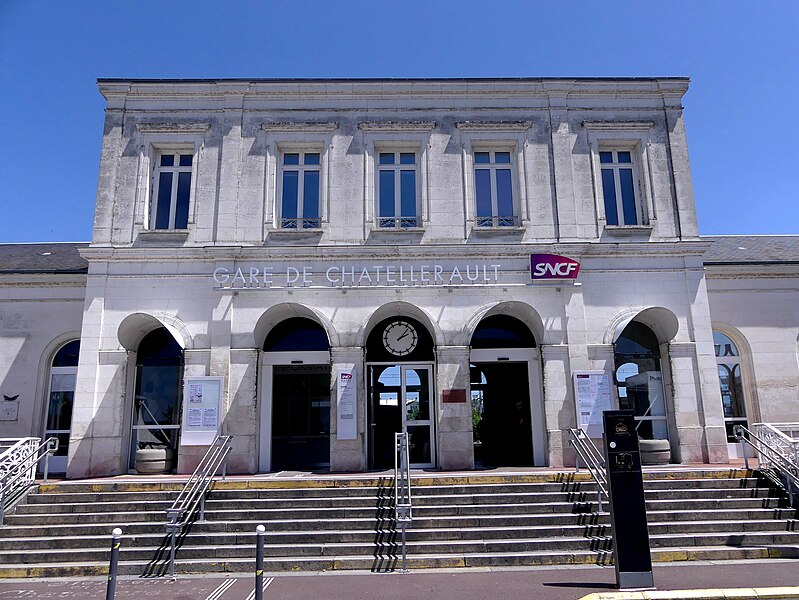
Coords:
pixel 287 310
pixel 660 320
pixel 135 326
pixel 520 310
pixel 399 309
pixel 747 368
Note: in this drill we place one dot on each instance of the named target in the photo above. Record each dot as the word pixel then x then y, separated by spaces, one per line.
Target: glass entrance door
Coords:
pixel 59 413
pixel 401 400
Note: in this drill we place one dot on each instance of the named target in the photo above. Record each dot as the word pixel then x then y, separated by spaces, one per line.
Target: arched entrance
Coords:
pixel 295 407
pixel 157 400
pixel 399 375
pixel 60 398
pixel 639 380
pixel 507 412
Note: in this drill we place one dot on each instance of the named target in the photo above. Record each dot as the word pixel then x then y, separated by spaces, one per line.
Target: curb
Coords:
pixel 773 593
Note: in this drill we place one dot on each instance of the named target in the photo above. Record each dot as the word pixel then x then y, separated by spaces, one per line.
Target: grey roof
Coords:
pixel 52 257
pixel 738 249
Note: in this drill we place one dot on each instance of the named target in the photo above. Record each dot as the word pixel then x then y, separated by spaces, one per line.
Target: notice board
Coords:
pixel 201 402
pixel 592 398
pixel 346 413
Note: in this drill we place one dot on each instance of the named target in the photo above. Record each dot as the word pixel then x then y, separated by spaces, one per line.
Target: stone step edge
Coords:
pixel 421 544
pixel 566 476
pixel 588 557
pixel 426 530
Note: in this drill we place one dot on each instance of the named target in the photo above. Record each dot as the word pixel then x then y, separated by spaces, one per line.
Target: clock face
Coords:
pixel 400 338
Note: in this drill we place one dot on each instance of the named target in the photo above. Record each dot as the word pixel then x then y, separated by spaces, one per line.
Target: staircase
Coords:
pixel 326 523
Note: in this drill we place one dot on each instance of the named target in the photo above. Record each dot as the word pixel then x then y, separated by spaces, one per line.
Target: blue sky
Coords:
pixel 741 111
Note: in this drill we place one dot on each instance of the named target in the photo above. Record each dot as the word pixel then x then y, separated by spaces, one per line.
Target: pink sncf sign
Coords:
pixel 553 266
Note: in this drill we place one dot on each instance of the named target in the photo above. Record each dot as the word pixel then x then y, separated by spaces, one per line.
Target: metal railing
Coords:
pixel 193 493
pixel 18 464
pixel 402 491
pixel 398 222
pixel 777 449
pixel 592 459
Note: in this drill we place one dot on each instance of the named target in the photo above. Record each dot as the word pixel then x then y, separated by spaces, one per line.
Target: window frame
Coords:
pixel 176 170
pixel 495 219
pixel 496 136
pixel 396 169
pixel 616 167
pixel 154 138
pixel 624 136
pixel 301 168
pixel 398 137
pixel 295 136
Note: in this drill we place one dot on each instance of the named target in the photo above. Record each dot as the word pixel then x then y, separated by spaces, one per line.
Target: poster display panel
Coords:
pixel 201 401
pixel 592 397
pixel 346 413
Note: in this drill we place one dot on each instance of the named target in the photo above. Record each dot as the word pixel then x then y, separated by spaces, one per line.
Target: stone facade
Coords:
pixel 222 283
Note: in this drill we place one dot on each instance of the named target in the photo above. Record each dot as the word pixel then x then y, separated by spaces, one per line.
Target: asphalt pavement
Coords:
pixel 563 583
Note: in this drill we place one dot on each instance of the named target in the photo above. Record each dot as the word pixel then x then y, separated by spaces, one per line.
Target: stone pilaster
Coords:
pixel 348 455
pixel 454 419
pixel 558 404
pixel 698 419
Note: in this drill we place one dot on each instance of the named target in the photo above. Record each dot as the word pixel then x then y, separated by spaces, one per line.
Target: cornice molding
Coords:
pixel 166 127
pixel 300 126
pixel 619 125
pixel 473 126
pixel 396 126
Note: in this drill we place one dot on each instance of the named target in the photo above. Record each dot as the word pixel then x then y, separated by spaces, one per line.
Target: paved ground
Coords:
pixel 542 584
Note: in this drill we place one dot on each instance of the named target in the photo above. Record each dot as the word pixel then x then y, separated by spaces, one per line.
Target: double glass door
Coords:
pixel 400 400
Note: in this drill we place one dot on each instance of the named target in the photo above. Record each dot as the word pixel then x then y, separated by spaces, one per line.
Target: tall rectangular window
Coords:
pixel 618 187
pixel 493 185
pixel 396 190
pixel 171 191
pixel 299 206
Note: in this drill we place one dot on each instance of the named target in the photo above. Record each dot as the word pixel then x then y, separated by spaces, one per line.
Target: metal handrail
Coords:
pixel 592 459
pixel 403 506
pixel 193 493
pixel 18 467
pixel 777 453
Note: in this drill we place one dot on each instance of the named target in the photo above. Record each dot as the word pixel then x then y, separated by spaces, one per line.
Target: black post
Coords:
pixel 259 562
pixel 631 554
pixel 116 540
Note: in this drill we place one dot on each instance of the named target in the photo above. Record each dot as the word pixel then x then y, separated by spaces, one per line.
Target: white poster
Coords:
pixel 346 413
pixel 592 398
pixel 201 403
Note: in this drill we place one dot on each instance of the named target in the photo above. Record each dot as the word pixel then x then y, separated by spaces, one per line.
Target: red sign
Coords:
pixel 553 266
pixel 453 396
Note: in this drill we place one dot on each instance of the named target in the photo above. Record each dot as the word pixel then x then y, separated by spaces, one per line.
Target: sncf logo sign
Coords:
pixel 553 266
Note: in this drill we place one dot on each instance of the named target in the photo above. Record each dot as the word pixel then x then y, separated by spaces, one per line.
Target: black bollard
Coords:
pixel 259 562
pixel 116 540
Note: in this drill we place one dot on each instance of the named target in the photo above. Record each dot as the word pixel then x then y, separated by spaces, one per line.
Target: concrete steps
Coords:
pixel 337 523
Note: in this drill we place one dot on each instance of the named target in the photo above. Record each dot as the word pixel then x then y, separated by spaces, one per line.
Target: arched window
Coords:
pixel 158 394
pixel 63 373
pixel 728 363
pixel 502 331
pixel 296 334
pixel 639 380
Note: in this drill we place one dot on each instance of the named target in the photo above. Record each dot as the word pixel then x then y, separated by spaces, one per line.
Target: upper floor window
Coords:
pixel 396 189
pixel 493 189
pixel 171 191
pixel 300 180
pixel 622 206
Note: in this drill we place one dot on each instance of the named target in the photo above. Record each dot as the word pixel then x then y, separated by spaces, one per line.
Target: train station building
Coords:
pixel 310 266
